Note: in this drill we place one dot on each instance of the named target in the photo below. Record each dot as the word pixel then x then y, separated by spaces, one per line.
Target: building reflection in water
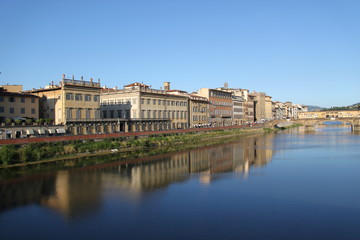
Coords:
pixel 76 192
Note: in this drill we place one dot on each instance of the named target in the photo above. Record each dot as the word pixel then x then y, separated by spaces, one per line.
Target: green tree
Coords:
pixel 8 154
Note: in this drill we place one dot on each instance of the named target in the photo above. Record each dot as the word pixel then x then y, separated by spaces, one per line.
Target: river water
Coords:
pixel 289 185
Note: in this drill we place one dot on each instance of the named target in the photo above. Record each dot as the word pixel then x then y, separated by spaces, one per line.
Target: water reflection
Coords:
pixel 80 191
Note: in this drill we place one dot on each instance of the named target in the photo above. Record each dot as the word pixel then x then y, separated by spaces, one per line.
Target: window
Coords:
pixel 87 97
pixel 119 113
pixel 69 96
pixel 1 109
pixel 78 97
pixel 159 102
pixel 32 100
pixel 69 113
pixel 78 113
pixel 96 98
pixel 154 101
pixel 12 110
pixel 111 113
pixel 22 99
pixel 97 113
pixel 105 114
pixel 22 110
pixel 87 113
pixel 1 98
pixel 33 111
pixel 142 101
pixel 148 101
pixel 11 99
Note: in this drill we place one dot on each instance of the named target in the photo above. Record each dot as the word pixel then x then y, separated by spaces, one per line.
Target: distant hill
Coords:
pixel 355 106
pixel 313 108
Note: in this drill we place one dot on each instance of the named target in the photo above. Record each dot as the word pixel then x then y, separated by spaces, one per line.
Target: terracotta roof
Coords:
pixel 14 94
pixel 136 84
pixel 181 91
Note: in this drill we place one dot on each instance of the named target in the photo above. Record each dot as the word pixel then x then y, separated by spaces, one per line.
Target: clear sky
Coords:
pixel 304 51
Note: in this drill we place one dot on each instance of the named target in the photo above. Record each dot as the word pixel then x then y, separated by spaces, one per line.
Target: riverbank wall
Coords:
pixel 72 146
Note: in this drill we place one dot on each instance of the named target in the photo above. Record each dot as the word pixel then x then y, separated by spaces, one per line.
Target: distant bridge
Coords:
pixel 310 123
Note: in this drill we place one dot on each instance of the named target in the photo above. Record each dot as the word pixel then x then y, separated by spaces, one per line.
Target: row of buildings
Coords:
pixel 85 107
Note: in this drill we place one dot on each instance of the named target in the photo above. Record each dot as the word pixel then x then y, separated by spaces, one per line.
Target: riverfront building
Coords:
pixel 145 108
pixel 198 108
pixel 18 105
pixel 70 101
pixel 221 106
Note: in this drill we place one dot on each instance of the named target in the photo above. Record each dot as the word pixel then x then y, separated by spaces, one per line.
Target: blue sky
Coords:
pixel 304 51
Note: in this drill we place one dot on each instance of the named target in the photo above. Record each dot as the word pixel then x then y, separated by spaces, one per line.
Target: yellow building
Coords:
pixel 14 105
pixel 12 88
pixel 198 111
pixel 145 108
pixel 329 114
pixel 70 101
pixel 269 109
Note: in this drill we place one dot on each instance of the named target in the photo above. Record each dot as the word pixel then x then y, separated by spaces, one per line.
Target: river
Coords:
pixel 289 185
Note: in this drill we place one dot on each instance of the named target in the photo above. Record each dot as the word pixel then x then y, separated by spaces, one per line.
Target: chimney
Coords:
pixel 166 86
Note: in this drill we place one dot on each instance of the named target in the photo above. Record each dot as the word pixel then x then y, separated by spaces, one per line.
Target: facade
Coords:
pixel 288 110
pixel 238 110
pixel 221 106
pixel 259 105
pixel 198 111
pixel 280 110
pixel 268 108
pixel 145 108
pixel 239 103
pixel 12 88
pixel 15 105
pixel 329 114
pixel 70 101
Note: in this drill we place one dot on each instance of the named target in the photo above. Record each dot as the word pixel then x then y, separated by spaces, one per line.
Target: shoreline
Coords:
pixel 170 143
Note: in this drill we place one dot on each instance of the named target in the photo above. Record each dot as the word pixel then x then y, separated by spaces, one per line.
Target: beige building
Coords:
pixel 145 108
pixel 12 88
pixel 269 108
pixel 198 111
pixel 198 107
pixel 221 106
pixel 70 101
pixel 329 114
pixel 239 103
pixel 259 105
pixel 18 105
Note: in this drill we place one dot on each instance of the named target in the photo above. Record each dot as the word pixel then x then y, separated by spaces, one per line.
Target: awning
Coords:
pixel 29 131
pixel 60 130
pixel 41 131
pixel 52 131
